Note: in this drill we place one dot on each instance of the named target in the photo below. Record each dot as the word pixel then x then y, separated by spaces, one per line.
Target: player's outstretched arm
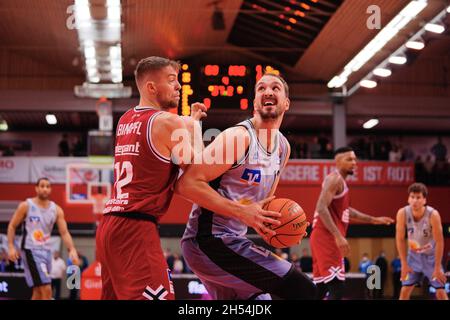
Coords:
pixel 65 235
pixel 438 237
pixel 17 218
pixel 362 217
pixel 329 190
pixel 216 159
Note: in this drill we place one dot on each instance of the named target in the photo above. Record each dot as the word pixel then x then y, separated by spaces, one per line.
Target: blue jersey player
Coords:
pixel 37 216
pixel 229 195
pixel 423 227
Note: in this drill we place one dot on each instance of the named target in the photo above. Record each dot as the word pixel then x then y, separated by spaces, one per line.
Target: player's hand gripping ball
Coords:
pixel 293 223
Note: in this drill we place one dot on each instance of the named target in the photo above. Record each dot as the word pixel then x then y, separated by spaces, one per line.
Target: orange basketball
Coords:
pixel 293 223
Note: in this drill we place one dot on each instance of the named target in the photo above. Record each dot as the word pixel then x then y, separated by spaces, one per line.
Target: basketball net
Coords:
pixel 104 112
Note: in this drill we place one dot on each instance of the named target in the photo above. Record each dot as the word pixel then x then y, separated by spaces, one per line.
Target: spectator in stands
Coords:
pixel 295 260
pixel 292 138
pixel 306 261
pixel 408 154
pixel 186 268
pixel 4 262
pixel 301 149
pixel 396 275
pixel 395 155
pixel 79 147
pixel 382 263
pixel 57 274
pixel 441 173
pixel 439 150
pixel 346 265
pixel 314 148
pixel 329 151
pixel 283 255
pixel 63 146
pixel 382 149
pixel 178 265
pixel 169 258
pixel 371 149
pixel 364 263
pixel 428 163
pixel 421 172
pixel 323 141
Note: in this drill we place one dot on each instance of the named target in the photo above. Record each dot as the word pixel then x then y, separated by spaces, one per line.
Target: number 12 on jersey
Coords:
pixel 124 175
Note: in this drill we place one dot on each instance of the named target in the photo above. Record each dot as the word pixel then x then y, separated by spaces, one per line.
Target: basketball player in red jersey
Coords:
pixel 127 240
pixel 146 167
pixel 333 212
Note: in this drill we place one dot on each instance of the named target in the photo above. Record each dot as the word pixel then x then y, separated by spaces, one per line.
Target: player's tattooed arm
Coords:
pixel 359 216
pixel 330 188
pixel 332 185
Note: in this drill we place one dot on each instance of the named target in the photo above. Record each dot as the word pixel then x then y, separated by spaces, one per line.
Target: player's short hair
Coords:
pixel 40 179
pixel 342 150
pixel 418 187
pixel 152 64
pixel 285 85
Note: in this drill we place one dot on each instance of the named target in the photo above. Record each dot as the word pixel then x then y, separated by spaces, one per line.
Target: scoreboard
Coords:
pixel 220 86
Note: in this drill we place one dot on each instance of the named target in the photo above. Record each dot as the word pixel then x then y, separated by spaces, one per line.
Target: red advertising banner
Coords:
pixel 91 282
pixel 367 173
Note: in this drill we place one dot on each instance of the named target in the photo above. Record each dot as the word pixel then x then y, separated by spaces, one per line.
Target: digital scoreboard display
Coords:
pixel 220 86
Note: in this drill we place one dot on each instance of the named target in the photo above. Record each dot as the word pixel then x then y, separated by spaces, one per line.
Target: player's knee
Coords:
pixel 297 286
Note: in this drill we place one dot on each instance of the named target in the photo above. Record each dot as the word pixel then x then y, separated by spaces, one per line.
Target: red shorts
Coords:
pixel 328 262
pixel 132 261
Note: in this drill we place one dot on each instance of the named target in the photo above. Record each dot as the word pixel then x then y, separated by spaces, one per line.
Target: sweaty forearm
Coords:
pixel 202 194
pixel 357 215
pixel 10 235
pixel 438 254
pixel 67 239
pixel 401 248
pixel 326 219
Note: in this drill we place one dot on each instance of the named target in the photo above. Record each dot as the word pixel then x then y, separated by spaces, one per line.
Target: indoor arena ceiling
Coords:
pixel 310 40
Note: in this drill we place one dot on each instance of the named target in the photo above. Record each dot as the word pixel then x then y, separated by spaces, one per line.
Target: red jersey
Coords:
pixel 144 179
pixel 339 211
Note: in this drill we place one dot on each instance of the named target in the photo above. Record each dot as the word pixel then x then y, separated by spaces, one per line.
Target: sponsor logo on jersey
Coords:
pixel 35 219
pixel 251 177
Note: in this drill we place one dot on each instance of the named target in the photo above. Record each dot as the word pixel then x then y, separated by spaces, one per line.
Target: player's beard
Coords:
pixel 43 197
pixel 350 172
pixel 268 114
pixel 168 103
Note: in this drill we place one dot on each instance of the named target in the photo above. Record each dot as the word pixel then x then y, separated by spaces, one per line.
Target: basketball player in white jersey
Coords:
pixel 425 238
pixel 226 192
pixel 38 216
